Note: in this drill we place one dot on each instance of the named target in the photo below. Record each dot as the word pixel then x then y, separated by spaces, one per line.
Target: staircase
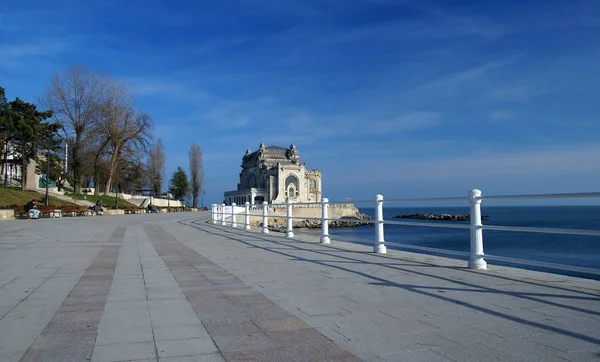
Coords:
pixel 68 199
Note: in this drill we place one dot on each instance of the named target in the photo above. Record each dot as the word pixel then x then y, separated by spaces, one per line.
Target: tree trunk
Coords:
pixel 111 168
pixel 23 169
pixel 76 164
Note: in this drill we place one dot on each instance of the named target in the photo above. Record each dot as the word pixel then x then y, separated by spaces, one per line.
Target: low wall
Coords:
pixel 7 214
pixel 335 211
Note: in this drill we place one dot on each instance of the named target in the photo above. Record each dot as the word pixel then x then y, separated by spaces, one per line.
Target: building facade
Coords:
pixel 275 174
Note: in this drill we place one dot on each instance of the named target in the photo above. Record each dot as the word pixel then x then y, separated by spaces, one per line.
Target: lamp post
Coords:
pixel 47 172
pixel 203 193
pixel 116 188
pixel 6 161
pixel 169 198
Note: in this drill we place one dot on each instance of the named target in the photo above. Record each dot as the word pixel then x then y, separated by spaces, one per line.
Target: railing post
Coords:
pixel 265 223
pixel 247 216
pixel 233 223
pixel 223 223
pixel 324 222
pixel 379 245
pixel 289 232
pixel 476 260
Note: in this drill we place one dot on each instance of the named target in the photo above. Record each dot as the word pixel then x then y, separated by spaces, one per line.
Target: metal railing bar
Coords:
pixel 228 216
pixel 542 230
pixel 543 264
pixel 576 195
pixel 428 199
pixel 428 224
pixel 424 248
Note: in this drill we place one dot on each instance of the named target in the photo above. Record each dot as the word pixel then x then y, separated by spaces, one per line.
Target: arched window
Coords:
pixel 291 180
pixel 292 185
pixel 251 181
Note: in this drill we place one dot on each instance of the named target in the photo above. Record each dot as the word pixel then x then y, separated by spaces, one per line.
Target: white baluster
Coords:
pixel 247 216
pixel 265 222
pixel 476 260
pixel 324 222
pixel 223 223
pixel 233 223
pixel 379 245
pixel 289 232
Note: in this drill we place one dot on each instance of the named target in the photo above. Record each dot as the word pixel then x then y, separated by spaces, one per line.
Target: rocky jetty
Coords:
pixel 439 217
pixel 353 221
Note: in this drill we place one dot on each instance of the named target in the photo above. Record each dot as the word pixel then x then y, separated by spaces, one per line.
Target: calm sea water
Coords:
pixel 583 251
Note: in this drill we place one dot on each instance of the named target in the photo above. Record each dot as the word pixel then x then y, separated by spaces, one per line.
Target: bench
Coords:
pixel 85 211
pixel 20 212
pixel 69 210
pixel 49 211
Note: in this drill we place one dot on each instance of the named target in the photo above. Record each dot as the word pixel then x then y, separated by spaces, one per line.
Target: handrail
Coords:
pixel 227 215
pixel 575 195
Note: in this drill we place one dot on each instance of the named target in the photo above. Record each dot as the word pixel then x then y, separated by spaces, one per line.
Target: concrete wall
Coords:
pixel 7 214
pixel 309 211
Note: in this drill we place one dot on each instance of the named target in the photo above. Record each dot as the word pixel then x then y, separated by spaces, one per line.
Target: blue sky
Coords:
pixel 402 98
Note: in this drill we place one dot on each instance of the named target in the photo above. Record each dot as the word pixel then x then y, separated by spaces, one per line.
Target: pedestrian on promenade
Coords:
pixel 32 209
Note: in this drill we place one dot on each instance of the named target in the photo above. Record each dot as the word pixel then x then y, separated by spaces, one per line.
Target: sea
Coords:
pixel 573 250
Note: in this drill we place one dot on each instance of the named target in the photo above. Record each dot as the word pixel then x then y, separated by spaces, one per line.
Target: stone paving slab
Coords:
pixel 171 287
pixel 243 327
pixel 406 306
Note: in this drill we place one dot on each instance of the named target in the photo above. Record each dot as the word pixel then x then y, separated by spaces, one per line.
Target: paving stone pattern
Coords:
pixel 71 333
pixel 244 324
pixel 172 287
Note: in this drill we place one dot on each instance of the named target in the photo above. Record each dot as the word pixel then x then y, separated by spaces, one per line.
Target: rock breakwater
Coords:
pixel 439 217
pixel 353 221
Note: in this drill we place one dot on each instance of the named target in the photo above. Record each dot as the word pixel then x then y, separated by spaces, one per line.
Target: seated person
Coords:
pixel 32 209
pixel 151 209
pixel 98 207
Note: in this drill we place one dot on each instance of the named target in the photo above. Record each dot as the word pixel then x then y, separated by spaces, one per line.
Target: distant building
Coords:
pixel 275 174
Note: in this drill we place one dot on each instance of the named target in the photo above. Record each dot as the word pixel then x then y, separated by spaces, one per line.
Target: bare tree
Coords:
pixel 75 98
pixel 196 173
pixel 122 126
pixel 156 166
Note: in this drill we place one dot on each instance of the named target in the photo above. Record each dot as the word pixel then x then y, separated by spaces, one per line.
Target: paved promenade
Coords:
pixel 170 287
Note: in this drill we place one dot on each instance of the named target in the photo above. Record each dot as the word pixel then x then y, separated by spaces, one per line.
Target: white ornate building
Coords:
pixel 274 174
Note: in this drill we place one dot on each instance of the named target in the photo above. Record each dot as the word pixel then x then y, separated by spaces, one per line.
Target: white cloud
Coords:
pixel 508 94
pixel 501 115
pixel 574 161
pixel 15 54
pixel 150 87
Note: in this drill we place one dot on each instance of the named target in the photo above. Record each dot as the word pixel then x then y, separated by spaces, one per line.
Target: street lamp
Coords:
pixel 46 199
pixel 203 193
pixel 117 187
pixel 169 198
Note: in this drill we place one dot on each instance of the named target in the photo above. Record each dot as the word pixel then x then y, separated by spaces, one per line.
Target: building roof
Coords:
pixel 271 153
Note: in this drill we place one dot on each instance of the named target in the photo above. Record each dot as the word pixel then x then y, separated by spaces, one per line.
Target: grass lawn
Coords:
pixel 10 197
pixel 107 201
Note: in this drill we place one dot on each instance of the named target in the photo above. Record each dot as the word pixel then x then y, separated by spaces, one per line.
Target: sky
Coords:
pixel 394 97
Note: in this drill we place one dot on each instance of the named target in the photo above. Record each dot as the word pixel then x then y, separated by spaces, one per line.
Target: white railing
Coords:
pixel 226 215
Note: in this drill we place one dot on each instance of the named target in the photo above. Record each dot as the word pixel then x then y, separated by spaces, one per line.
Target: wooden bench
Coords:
pixel 85 211
pixel 132 210
pixel 70 210
pixel 21 213
pixel 49 211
